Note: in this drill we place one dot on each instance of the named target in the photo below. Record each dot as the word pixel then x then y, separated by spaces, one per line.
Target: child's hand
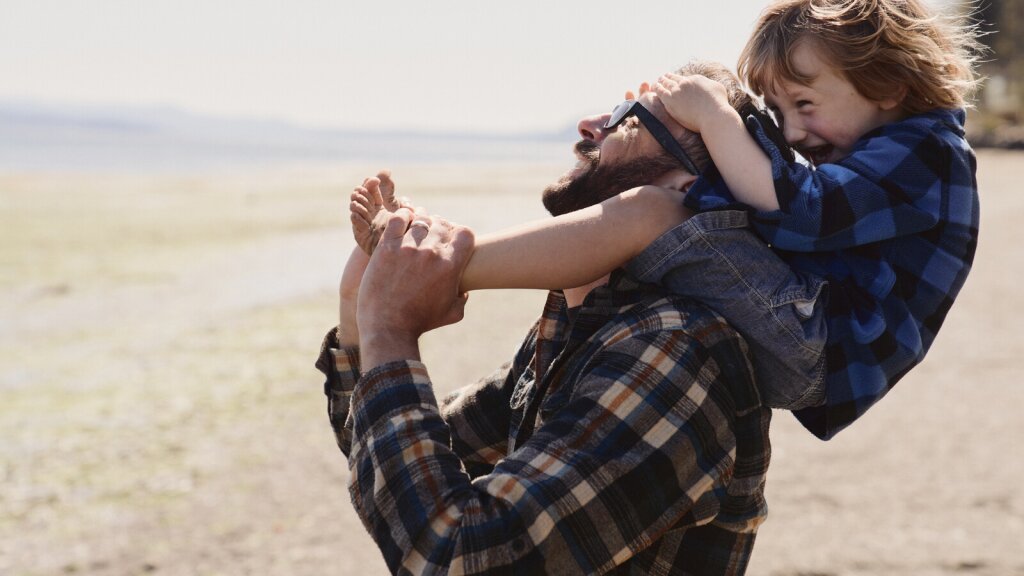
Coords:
pixel 691 100
pixel 643 89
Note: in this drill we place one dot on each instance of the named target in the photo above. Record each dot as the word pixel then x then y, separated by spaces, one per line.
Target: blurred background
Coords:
pixel 1000 107
pixel 174 181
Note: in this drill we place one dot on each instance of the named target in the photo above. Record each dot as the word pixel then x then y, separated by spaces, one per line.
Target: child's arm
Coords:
pixel 576 248
pixel 701 105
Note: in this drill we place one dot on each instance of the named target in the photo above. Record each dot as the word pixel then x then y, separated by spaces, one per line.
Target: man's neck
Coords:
pixel 575 296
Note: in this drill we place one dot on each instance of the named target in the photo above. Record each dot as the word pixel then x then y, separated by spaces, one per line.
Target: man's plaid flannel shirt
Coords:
pixel 893 227
pixel 631 440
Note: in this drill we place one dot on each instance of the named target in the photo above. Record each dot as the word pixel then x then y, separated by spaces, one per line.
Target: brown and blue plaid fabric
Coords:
pixel 630 440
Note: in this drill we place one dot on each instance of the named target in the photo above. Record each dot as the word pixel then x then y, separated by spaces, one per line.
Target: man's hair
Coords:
pixel 739 99
pixel 880 46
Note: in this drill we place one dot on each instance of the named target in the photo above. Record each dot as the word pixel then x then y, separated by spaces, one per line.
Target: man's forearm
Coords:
pixel 380 347
pixel 348 331
pixel 340 366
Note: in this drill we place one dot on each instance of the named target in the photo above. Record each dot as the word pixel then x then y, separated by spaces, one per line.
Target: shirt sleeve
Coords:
pixel 644 443
pixel 477 414
pixel 340 367
pixel 890 185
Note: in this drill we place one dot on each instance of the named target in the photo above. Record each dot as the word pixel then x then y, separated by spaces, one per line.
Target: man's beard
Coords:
pixel 595 183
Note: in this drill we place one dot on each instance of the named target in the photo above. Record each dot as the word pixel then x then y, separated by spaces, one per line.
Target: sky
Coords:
pixel 445 65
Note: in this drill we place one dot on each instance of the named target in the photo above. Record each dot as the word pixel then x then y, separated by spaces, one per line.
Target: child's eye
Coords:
pixel 802 103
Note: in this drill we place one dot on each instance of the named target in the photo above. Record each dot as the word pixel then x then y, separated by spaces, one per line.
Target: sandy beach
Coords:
pixel 160 412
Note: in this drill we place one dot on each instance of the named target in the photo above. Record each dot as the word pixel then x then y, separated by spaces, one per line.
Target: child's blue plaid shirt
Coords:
pixel 893 227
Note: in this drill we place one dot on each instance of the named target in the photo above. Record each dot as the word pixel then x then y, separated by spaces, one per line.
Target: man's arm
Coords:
pixel 474 413
pixel 339 353
pixel 477 414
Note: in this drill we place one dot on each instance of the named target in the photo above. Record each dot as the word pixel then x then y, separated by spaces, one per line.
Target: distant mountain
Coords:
pixel 37 136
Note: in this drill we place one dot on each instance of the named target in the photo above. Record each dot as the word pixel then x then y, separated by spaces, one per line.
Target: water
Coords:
pixel 58 139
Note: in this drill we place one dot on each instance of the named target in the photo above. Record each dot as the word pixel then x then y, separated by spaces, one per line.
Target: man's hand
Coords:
pixel 693 101
pixel 411 286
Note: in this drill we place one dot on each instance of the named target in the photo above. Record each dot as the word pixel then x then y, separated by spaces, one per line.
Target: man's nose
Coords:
pixel 592 127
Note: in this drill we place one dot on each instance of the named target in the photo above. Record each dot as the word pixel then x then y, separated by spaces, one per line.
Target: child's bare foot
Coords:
pixel 387 192
pixel 369 208
pixel 367 214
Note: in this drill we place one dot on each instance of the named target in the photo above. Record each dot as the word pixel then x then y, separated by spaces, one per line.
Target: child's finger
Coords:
pixel 666 89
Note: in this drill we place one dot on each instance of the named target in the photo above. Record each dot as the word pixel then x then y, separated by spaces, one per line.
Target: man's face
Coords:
pixel 612 161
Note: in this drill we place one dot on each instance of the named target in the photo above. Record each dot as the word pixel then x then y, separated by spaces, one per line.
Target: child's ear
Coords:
pixel 895 101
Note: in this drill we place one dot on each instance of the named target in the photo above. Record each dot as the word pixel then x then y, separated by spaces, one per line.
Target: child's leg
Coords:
pixel 712 257
pixel 717 260
pixel 576 248
pixel 554 253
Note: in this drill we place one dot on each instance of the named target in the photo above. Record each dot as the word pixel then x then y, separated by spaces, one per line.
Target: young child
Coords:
pixel 869 246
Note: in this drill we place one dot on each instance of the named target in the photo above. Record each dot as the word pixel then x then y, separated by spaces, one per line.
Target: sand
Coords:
pixel 160 413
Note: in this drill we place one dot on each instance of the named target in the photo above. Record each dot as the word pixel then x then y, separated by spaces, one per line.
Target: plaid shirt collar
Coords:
pixel 556 332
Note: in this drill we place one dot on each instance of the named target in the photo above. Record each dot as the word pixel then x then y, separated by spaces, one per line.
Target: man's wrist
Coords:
pixel 348 334
pixel 377 348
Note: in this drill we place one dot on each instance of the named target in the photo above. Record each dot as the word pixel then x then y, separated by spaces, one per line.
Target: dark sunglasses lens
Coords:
pixel 619 113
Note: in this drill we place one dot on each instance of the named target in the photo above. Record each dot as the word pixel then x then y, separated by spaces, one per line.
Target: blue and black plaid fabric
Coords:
pixel 893 227
pixel 628 441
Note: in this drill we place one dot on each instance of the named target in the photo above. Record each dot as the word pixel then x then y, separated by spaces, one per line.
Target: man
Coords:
pixel 626 435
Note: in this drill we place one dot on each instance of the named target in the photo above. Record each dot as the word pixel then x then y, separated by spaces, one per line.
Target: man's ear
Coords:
pixel 676 180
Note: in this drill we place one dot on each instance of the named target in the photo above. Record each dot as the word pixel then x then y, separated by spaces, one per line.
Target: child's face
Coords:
pixel 823 119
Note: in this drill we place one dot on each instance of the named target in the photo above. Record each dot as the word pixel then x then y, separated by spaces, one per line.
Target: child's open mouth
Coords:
pixel 818 155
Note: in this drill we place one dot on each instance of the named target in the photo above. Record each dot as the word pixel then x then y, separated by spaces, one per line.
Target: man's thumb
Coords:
pixel 396 226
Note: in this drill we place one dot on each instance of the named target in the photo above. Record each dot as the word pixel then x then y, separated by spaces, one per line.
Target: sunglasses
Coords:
pixel 655 127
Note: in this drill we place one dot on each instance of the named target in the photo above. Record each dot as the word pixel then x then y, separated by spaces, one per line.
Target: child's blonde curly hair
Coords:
pixel 882 47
